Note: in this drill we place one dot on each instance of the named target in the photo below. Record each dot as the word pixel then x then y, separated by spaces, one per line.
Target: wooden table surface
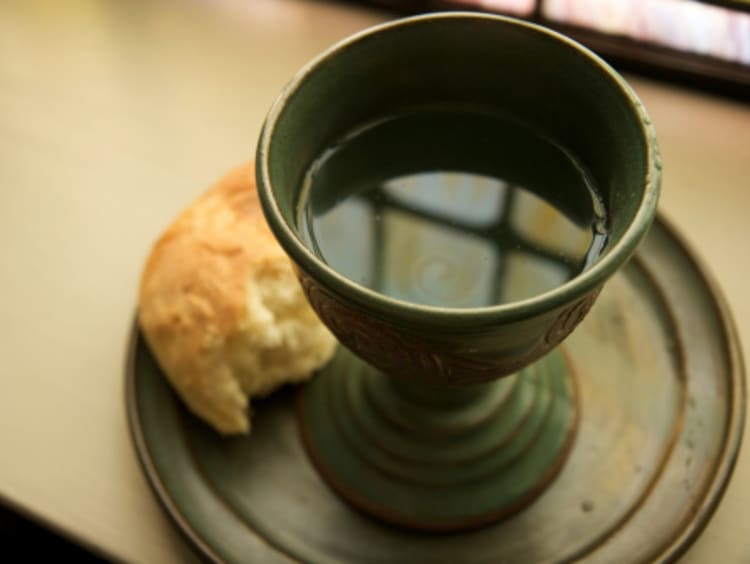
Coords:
pixel 113 116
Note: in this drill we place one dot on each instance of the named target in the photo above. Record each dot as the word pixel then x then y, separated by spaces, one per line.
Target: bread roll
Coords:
pixel 222 310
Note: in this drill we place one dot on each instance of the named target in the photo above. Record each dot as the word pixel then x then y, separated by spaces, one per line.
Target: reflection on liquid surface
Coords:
pixel 443 237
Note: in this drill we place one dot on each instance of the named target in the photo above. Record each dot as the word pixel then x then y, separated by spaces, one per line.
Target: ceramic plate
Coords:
pixel 662 395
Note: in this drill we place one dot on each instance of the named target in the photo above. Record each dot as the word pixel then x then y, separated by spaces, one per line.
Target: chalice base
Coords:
pixel 438 459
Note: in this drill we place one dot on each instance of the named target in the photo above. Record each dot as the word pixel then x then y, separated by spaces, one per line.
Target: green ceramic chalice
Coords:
pixel 454 191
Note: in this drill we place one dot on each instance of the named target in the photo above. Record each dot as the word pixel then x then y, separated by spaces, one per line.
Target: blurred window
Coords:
pixel 704 43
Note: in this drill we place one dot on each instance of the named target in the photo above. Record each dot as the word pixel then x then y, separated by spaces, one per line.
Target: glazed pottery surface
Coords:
pixel 539 77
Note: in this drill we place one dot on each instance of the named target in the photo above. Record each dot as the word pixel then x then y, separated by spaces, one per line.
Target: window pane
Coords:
pixel 518 7
pixel 684 25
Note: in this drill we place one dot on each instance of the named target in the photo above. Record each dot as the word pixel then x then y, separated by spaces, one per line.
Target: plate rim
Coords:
pixel 737 406
pixel 717 483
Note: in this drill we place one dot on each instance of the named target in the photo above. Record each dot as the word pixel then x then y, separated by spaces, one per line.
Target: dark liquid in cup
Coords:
pixel 452 208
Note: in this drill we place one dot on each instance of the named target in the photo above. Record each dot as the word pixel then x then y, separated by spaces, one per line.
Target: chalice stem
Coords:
pixel 438 458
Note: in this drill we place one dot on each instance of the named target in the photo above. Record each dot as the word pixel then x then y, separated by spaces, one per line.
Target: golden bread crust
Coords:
pixel 194 296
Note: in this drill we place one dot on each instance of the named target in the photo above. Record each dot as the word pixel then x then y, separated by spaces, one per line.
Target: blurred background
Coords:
pixel 701 43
